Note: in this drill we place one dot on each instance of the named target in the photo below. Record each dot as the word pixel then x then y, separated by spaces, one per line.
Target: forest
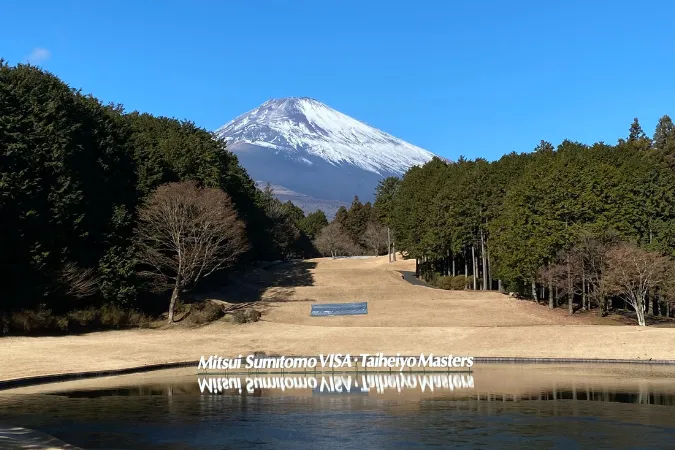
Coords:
pixel 588 226
pixel 79 177
pixel 108 215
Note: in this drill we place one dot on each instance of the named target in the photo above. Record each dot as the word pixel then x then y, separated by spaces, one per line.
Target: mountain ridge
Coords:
pixel 310 148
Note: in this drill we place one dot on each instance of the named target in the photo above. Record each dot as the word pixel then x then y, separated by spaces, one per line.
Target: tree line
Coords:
pixel 355 231
pixel 581 224
pixel 100 206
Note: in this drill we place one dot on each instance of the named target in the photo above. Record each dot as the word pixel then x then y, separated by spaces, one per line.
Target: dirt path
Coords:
pixel 402 319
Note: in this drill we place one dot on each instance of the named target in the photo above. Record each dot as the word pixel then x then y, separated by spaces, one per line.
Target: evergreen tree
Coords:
pixel 313 224
pixel 384 199
pixel 67 189
pixel 664 141
pixel 340 215
pixel 664 135
pixel 637 137
pixel 544 146
pixel 635 133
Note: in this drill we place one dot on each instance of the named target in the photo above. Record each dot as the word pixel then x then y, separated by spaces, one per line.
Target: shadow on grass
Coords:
pixel 410 277
pixel 241 289
pixel 275 284
pixel 630 318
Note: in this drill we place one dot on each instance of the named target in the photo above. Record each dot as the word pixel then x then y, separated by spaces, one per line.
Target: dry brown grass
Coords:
pixel 402 318
pixel 393 302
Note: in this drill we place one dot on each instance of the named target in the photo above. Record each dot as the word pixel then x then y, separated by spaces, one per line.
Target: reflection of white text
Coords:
pixel 339 383
pixel 425 383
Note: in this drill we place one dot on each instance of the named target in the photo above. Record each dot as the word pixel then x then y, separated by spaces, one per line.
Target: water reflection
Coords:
pixel 524 408
pixel 462 385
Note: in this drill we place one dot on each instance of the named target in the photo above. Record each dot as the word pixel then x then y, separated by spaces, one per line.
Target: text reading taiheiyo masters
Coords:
pixel 336 361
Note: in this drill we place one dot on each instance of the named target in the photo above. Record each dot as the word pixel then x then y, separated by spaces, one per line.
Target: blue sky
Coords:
pixel 478 79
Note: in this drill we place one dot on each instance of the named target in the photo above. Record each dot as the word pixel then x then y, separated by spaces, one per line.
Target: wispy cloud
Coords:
pixel 39 55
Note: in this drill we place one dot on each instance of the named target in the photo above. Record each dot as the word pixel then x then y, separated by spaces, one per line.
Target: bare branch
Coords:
pixel 186 233
pixel 334 241
pixel 77 282
pixel 632 272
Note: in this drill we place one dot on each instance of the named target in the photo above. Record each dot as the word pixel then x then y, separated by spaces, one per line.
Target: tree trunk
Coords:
pixel 475 263
pixel 603 306
pixel 466 265
pixel 174 298
pixel 453 265
pixel 650 305
pixel 483 260
pixel 499 285
pixel 389 244
pixel 640 312
pixel 417 267
pixel 489 268
pixel 534 291
pixel 583 291
pixel 393 250
pixel 551 304
pixel 658 310
pixel 570 288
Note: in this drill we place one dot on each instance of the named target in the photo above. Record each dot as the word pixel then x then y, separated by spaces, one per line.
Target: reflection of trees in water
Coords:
pixel 640 393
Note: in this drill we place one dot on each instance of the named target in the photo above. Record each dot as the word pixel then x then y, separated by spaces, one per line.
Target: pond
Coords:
pixel 494 406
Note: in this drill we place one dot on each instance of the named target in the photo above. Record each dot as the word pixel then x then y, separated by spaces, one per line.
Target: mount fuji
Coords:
pixel 304 147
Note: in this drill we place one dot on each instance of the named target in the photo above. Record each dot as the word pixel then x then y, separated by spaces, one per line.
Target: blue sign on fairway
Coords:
pixel 340 309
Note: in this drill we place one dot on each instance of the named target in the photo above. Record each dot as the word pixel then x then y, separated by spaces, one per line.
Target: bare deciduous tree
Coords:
pixel 546 276
pixel 565 276
pixel 632 272
pixel 77 282
pixel 335 242
pixel 593 251
pixel 186 233
pixel 668 293
pixel 375 237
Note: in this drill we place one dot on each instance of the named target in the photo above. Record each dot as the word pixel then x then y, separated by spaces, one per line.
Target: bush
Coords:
pixel 205 312
pixel 429 276
pixel 246 315
pixel 85 318
pixel 253 315
pixel 239 316
pixel 112 316
pixel 138 319
pixel 5 323
pixel 61 322
pixel 42 321
pixel 30 320
pixel 457 283
pixel 444 282
pixel 460 282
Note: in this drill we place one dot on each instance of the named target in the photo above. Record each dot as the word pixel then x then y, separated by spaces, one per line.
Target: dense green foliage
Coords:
pixel 73 172
pixel 509 219
pixel 359 230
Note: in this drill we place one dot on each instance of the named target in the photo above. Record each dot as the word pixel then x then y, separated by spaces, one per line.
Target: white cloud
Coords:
pixel 39 55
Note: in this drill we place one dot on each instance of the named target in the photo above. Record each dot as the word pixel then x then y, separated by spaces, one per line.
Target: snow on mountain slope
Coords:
pixel 303 126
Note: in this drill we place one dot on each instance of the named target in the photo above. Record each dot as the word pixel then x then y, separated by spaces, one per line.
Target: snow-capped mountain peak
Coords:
pixel 303 128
